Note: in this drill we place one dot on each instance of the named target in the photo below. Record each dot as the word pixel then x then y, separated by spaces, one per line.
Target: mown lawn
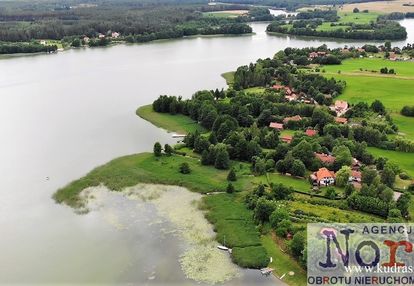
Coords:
pixel 175 123
pixel 283 263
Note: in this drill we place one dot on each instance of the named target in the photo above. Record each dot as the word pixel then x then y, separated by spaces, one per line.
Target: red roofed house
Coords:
pixel 341 104
pixel 325 158
pixel 278 87
pixel 293 118
pixel 392 56
pixel 115 35
pixel 323 177
pixel 340 107
pixel 311 132
pixel 275 125
pixel 313 55
pixel 341 120
pixel 356 176
pixel 356 164
pixel 286 138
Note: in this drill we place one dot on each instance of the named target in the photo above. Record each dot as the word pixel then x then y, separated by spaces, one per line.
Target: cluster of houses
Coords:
pixel 291 95
pixel 111 35
pixel 288 138
pixel 340 107
pixel 324 177
pixel 314 55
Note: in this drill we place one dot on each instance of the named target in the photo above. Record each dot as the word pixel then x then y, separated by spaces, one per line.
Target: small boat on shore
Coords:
pixel 175 135
pixel 222 247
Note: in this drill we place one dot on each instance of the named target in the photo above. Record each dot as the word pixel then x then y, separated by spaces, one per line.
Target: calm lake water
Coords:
pixel 62 115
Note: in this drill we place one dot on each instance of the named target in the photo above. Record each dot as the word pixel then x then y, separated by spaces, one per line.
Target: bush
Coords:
pixel 408 111
pixel 230 188
pixel 404 176
pixel 285 226
pixel 185 168
pixel 168 149
pixel 232 176
pixel 157 149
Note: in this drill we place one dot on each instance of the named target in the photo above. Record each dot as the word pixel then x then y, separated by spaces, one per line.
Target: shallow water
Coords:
pixel 61 115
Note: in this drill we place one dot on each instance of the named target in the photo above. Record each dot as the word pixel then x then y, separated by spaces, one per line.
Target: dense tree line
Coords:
pixel 32 47
pixel 268 71
pixel 292 5
pixel 307 23
pixel 145 20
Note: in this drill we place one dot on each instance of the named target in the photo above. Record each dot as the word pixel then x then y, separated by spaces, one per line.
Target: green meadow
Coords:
pixel 365 66
pixel 402 159
pixel 358 18
pixel 175 123
pixel 394 91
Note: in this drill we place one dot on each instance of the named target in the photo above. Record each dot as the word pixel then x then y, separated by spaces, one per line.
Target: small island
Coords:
pixel 295 139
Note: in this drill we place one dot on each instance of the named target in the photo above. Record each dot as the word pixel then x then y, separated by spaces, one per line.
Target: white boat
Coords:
pixel 222 247
pixel 175 135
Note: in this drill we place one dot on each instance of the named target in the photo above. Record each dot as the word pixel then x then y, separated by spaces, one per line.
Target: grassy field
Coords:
pixel 234 225
pixel 145 168
pixel 352 66
pixel 346 17
pixel 257 90
pixel 175 123
pixel 358 18
pixel 405 125
pixel 226 14
pixel 402 159
pixel 393 91
pixel 229 77
pixel 284 263
pixel 332 213
pixel 380 6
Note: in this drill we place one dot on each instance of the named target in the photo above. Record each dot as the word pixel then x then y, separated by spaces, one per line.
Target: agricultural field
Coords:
pixel 380 6
pixel 226 14
pixel 394 91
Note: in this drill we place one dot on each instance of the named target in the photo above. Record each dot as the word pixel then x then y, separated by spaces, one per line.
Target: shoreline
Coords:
pixel 339 40
pixel 200 260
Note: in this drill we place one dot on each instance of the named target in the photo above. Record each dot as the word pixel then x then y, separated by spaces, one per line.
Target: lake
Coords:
pixel 63 114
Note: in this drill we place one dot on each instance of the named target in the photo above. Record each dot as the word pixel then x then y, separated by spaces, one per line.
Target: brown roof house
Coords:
pixel 292 118
pixel 323 177
pixel 325 158
pixel 341 120
pixel 286 138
